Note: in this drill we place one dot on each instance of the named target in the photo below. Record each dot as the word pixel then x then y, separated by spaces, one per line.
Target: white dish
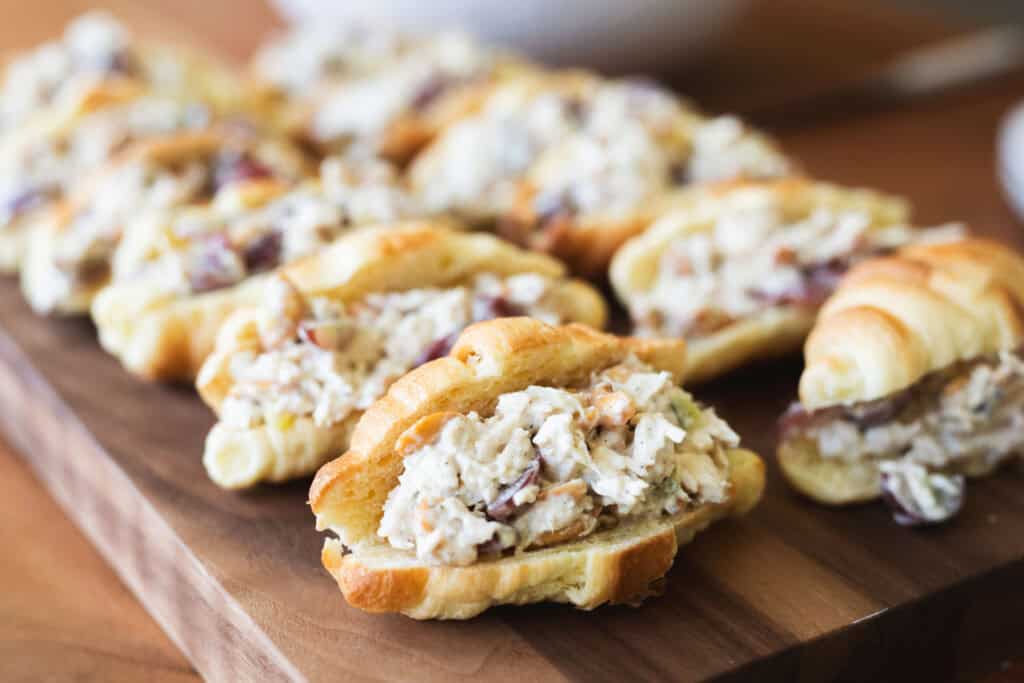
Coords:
pixel 1011 158
pixel 611 35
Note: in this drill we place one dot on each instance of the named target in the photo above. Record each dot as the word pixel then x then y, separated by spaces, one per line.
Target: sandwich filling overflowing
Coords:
pixel 326 359
pixel 553 465
pixel 757 255
pixel 963 420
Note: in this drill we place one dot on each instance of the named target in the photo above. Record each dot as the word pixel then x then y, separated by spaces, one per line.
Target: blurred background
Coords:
pixel 987 10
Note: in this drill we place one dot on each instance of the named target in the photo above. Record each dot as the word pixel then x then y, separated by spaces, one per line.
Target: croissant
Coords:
pixel 68 256
pixel 50 152
pixel 473 167
pixel 98 53
pixel 111 91
pixel 395 109
pixel 913 380
pixel 178 274
pixel 289 378
pixel 599 186
pixel 740 268
pixel 527 421
pixel 570 163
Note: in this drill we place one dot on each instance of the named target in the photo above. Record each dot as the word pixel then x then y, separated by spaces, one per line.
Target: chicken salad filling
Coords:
pixel 473 167
pixel 326 359
pixel 36 169
pixel 756 256
pixel 82 252
pixel 966 419
pixel 94 46
pixel 356 111
pixel 552 465
pixel 206 248
pixel 309 55
pixel 639 143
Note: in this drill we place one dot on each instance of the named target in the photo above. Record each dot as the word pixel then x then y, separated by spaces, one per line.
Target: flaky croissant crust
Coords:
pixel 895 319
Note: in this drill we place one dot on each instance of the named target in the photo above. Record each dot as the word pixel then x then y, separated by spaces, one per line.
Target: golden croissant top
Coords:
pixel 895 319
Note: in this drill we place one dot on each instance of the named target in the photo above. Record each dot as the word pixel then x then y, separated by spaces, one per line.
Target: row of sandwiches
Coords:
pixel 380 258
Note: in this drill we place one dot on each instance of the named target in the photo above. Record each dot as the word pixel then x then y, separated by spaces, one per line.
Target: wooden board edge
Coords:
pixel 196 612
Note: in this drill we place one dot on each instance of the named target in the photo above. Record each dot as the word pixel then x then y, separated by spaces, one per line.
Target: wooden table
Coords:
pixel 66 614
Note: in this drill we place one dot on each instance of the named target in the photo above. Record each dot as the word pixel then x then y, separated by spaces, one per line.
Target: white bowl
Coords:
pixel 611 35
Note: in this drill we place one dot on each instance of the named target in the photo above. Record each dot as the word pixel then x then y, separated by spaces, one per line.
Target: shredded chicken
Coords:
pixel 82 251
pixel 724 148
pixel 635 145
pixel 326 359
pixel 552 465
pixel 472 168
pixel 978 414
pixel 917 495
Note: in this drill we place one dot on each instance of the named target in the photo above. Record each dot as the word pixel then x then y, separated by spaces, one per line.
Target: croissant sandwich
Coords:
pixel 636 142
pixel 40 164
pixel 297 61
pixel 289 378
pixel 178 274
pixel 739 269
pixel 96 51
pixel 473 168
pixel 535 463
pixel 569 163
pixel 914 380
pixel 395 108
pixel 68 257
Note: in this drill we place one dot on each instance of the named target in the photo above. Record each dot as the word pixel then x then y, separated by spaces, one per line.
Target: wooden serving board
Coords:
pixel 794 591
pixel 235 579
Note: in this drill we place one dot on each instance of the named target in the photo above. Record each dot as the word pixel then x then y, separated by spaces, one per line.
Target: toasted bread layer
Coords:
pixel 161 337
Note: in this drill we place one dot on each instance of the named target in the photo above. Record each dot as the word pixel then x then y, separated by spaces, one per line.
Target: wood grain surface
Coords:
pixel 64 614
pixel 794 592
